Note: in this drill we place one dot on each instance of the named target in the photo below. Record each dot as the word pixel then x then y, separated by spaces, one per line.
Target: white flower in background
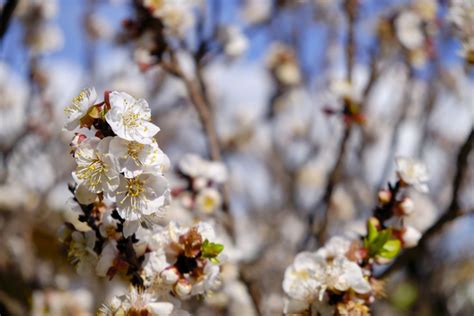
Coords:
pixel 142 196
pixel 81 252
pixel 410 237
pixel 129 118
pixel 44 38
pixel 45 10
pixel 194 166
pixel 408 28
pixel 79 107
pixel 257 11
pixel 282 61
pixel 177 16
pixel 136 158
pixel 461 15
pixel 13 98
pixel 413 172
pixel 300 282
pixel 78 302
pixel 234 41
pixel 208 200
pixel 97 170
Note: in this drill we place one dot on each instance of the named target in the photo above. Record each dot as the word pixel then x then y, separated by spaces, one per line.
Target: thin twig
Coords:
pixel 351 7
pixel 452 212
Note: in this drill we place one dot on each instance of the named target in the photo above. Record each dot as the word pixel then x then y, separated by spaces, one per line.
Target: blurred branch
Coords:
pixel 351 7
pixel 452 212
pixel 6 15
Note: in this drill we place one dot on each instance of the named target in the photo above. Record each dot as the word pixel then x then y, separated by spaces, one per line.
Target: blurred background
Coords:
pixel 278 77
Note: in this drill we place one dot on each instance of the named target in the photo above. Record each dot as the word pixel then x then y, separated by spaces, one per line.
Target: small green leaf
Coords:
pixel 372 230
pixel 390 249
pixel 211 250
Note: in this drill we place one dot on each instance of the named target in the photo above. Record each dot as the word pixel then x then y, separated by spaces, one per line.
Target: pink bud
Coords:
pixel 170 275
pixel 183 288
pixel 406 207
pixel 384 196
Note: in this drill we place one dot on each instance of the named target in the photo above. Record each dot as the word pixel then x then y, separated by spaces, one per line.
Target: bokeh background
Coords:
pixel 276 74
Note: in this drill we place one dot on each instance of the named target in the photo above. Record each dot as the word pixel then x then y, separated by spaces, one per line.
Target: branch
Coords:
pixel 452 212
pixel 6 15
pixel 351 8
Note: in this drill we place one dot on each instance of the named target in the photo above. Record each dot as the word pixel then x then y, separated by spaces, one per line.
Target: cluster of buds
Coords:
pixel 201 180
pixel 184 261
pixel 338 278
pixel 114 221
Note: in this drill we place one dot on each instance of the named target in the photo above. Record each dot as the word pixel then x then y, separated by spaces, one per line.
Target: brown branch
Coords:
pixel 6 15
pixel 452 212
pixel 351 8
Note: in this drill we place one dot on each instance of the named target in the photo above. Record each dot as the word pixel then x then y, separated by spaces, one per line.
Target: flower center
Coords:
pixel 92 172
pixel 135 187
pixel 134 149
pixel 130 119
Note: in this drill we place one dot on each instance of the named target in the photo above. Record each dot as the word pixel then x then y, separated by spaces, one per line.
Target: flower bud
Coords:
pixel 183 288
pixel 384 196
pixel 170 275
pixel 199 183
pixel 406 207
pixel 410 237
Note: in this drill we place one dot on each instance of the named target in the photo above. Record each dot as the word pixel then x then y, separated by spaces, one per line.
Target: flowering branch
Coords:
pixel 452 212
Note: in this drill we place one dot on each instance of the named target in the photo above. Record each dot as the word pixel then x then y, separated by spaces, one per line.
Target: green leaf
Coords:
pixel 376 244
pixel 211 250
pixel 372 230
pixel 390 249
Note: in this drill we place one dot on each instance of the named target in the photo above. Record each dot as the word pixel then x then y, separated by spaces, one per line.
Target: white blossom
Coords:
pixel 409 32
pixel 413 172
pixel 79 107
pixel 129 118
pixel 97 170
pixel 194 166
pixel 410 237
pixel 140 197
pixel 135 158
pixel 208 200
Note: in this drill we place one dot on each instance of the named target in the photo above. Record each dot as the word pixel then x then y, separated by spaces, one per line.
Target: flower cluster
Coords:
pixel 115 219
pixel 199 191
pixel 338 278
